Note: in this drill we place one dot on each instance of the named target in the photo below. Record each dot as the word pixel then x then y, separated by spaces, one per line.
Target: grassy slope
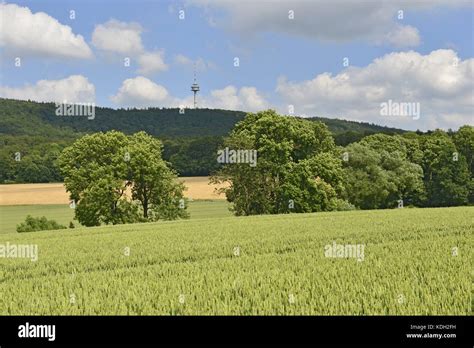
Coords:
pixel 409 267
pixel 10 216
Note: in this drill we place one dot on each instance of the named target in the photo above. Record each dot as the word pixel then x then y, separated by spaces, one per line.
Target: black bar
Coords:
pixel 334 330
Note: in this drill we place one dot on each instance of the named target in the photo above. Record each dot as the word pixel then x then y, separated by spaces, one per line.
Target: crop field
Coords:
pixel 55 193
pixel 414 261
pixel 11 216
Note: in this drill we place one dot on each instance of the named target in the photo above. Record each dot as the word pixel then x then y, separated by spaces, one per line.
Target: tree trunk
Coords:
pixel 145 206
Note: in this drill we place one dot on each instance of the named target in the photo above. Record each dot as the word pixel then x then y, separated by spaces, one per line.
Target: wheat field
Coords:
pixel 55 193
pixel 414 262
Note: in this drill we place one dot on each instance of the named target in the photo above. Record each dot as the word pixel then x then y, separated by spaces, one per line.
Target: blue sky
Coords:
pixel 283 61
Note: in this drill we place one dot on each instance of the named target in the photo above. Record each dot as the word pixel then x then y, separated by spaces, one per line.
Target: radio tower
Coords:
pixel 195 87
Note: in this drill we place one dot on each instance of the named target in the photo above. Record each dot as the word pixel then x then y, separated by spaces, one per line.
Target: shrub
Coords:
pixel 32 224
pixel 338 204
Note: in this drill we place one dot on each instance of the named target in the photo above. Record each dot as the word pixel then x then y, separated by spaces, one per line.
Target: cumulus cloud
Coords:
pixel 231 98
pixel 73 89
pixel 439 81
pixel 403 36
pixel 151 62
pixel 141 92
pixel 124 38
pixel 335 21
pixel 23 32
pixel 119 37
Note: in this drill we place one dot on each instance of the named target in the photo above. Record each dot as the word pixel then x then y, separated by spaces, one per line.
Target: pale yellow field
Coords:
pixel 198 187
pixel 19 194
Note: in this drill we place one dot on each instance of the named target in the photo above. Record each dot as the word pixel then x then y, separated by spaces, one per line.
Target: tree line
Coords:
pixel 116 178
pixel 301 169
pixel 34 159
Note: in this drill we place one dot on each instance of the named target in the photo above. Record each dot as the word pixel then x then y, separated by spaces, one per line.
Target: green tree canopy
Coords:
pixel 446 173
pixel 297 168
pixel 464 141
pixel 378 172
pixel 100 169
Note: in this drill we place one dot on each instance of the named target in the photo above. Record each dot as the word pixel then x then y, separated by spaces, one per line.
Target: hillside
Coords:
pixel 190 140
pixel 32 118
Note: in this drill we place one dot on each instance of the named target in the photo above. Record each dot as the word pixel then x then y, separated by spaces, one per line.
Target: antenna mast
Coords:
pixel 195 87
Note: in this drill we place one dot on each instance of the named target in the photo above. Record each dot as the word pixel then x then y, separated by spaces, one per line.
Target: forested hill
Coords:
pixel 34 131
pixel 32 118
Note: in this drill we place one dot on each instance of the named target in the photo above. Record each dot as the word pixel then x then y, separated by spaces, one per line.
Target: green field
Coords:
pixel 416 261
pixel 11 216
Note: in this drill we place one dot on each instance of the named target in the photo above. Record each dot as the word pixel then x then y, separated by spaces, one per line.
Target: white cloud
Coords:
pixel 200 63
pixel 252 99
pixel 23 32
pixel 73 89
pixel 151 62
pixel 330 20
pixel 439 81
pixel 142 92
pixel 225 98
pixel 229 98
pixel 118 37
pixel 246 99
pixel 125 38
pixel 404 36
